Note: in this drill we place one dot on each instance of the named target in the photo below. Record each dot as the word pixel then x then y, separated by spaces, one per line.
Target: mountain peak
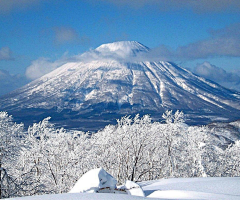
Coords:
pixel 93 93
pixel 123 48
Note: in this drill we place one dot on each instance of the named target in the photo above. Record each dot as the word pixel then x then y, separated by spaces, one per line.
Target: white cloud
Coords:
pixel 215 73
pixel 10 82
pixel 42 66
pixel 5 53
pixel 221 42
pixel 219 75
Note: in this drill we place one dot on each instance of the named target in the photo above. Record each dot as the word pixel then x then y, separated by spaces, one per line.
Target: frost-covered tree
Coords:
pixel 175 140
pixel 10 146
pixel 123 149
pixel 197 141
pixel 137 149
pixel 232 159
pixel 50 159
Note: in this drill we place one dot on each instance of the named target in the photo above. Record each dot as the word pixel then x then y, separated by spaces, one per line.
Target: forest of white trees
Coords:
pixel 45 159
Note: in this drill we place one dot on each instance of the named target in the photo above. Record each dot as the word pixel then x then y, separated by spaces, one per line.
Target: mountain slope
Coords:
pixel 112 81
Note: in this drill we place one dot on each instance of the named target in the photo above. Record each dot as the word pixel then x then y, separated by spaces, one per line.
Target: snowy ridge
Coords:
pixel 97 87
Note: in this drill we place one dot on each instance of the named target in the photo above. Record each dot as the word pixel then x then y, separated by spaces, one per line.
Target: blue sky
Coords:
pixel 37 36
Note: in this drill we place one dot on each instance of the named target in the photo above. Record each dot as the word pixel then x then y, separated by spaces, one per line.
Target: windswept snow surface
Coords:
pixel 175 188
pixel 193 188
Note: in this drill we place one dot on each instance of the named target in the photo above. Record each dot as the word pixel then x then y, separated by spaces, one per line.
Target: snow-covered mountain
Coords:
pixel 117 79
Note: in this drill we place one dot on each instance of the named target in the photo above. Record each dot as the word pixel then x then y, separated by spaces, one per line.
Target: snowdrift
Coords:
pixel 91 184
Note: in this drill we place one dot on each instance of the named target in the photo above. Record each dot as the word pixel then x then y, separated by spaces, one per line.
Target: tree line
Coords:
pixel 46 159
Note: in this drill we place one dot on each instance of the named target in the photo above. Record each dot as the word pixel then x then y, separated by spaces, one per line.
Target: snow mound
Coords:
pixel 99 181
pixel 93 181
pixel 134 189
